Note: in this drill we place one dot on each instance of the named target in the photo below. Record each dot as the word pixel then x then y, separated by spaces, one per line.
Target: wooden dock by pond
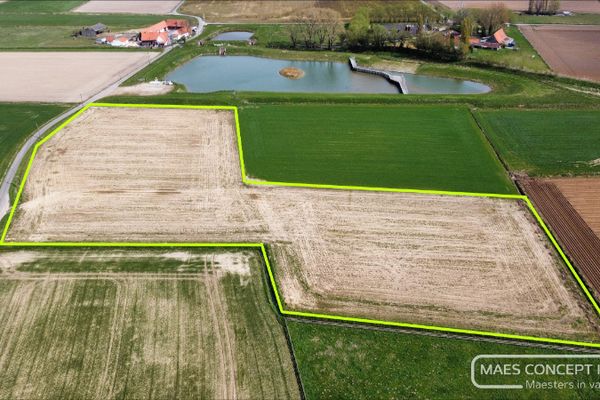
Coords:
pixel 397 80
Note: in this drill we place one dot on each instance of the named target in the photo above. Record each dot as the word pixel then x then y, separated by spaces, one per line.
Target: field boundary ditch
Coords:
pixel 262 247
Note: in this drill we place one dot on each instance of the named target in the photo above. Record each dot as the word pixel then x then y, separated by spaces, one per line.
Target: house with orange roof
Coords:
pixel 494 42
pixel 501 38
pixel 165 32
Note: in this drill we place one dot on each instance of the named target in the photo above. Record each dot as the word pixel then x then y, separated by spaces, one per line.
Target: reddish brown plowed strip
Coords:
pixel 575 236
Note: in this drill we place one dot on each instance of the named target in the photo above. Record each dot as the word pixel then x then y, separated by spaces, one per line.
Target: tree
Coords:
pixel 315 27
pixel 329 27
pixel 466 28
pixel 333 28
pixel 358 30
pixel 492 18
pixel 543 6
pixel 295 32
pixel 379 35
pixel 309 23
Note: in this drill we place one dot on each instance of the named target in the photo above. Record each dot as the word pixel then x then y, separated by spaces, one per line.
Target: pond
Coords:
pixel 244 73
pixel 229 36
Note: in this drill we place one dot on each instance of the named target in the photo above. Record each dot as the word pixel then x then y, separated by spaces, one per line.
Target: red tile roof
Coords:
pixel 149 36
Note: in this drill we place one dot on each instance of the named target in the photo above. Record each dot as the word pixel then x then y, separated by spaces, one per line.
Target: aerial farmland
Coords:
pixel 299 200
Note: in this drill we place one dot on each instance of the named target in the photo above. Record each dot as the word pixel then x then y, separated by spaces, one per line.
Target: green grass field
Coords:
pixel 418 147
pixel 200 327
pixel 545 143
pixel 17 122
pixel 525 58
pixel 39 6
pixel 351 363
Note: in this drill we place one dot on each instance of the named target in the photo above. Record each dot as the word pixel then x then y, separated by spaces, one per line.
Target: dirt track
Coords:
pixel 173 175
pixel 568 49
pixel 128 6
pixel 68 77
pixel 581 6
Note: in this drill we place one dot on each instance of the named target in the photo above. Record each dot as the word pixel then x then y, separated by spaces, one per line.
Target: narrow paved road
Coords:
pixel 10 175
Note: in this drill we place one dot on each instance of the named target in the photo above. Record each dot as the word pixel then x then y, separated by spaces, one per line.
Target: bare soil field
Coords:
pixel 128 6
pixel 566 48
pixel 105 335
pixel 576 237
pixel 584 196
pixel 169 175
pixel 580 6
pixel 66 77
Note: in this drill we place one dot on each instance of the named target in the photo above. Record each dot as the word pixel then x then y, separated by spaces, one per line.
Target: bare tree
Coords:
pixel 331 26
pixel 295 32
pixel 493 17
pixel 543 6
pixel 310 23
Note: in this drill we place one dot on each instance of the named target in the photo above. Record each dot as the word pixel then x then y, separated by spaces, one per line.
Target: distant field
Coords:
pixel 422 147
pixel 583 19
pixel 38 6
pixel 362 363
pixel 17 122
pixel 565 48
pixel 524 58
pixel 39 28
pixel 269 10
pixel 583 6
pixel 64 76
pixel 128 6
pixel 202 328
pixel 545 143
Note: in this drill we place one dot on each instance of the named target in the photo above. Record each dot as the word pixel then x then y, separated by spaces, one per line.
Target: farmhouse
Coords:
pixel 494 42
pixel 165 32
pixel 501 38
pixel 154 39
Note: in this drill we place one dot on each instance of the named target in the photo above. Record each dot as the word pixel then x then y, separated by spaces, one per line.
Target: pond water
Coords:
pixel 243 36
pixel 244 73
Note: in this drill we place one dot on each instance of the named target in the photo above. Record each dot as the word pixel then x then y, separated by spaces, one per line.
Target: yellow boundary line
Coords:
pixel 263 250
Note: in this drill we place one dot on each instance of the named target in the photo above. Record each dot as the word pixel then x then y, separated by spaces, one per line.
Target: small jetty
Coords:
pixel 397 80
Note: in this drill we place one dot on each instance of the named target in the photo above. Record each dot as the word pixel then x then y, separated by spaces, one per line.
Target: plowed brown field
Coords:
pixel 173 175
pixel 575 236
pixel 567 49
pixel 584 196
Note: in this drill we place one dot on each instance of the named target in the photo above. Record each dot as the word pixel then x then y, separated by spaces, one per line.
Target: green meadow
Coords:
pixel 352 363
pixel 414 147
pixel 543 143
pixel 17 122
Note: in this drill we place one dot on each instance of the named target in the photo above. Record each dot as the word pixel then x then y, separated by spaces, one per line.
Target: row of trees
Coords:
pixel 538 7
pixel 317 27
